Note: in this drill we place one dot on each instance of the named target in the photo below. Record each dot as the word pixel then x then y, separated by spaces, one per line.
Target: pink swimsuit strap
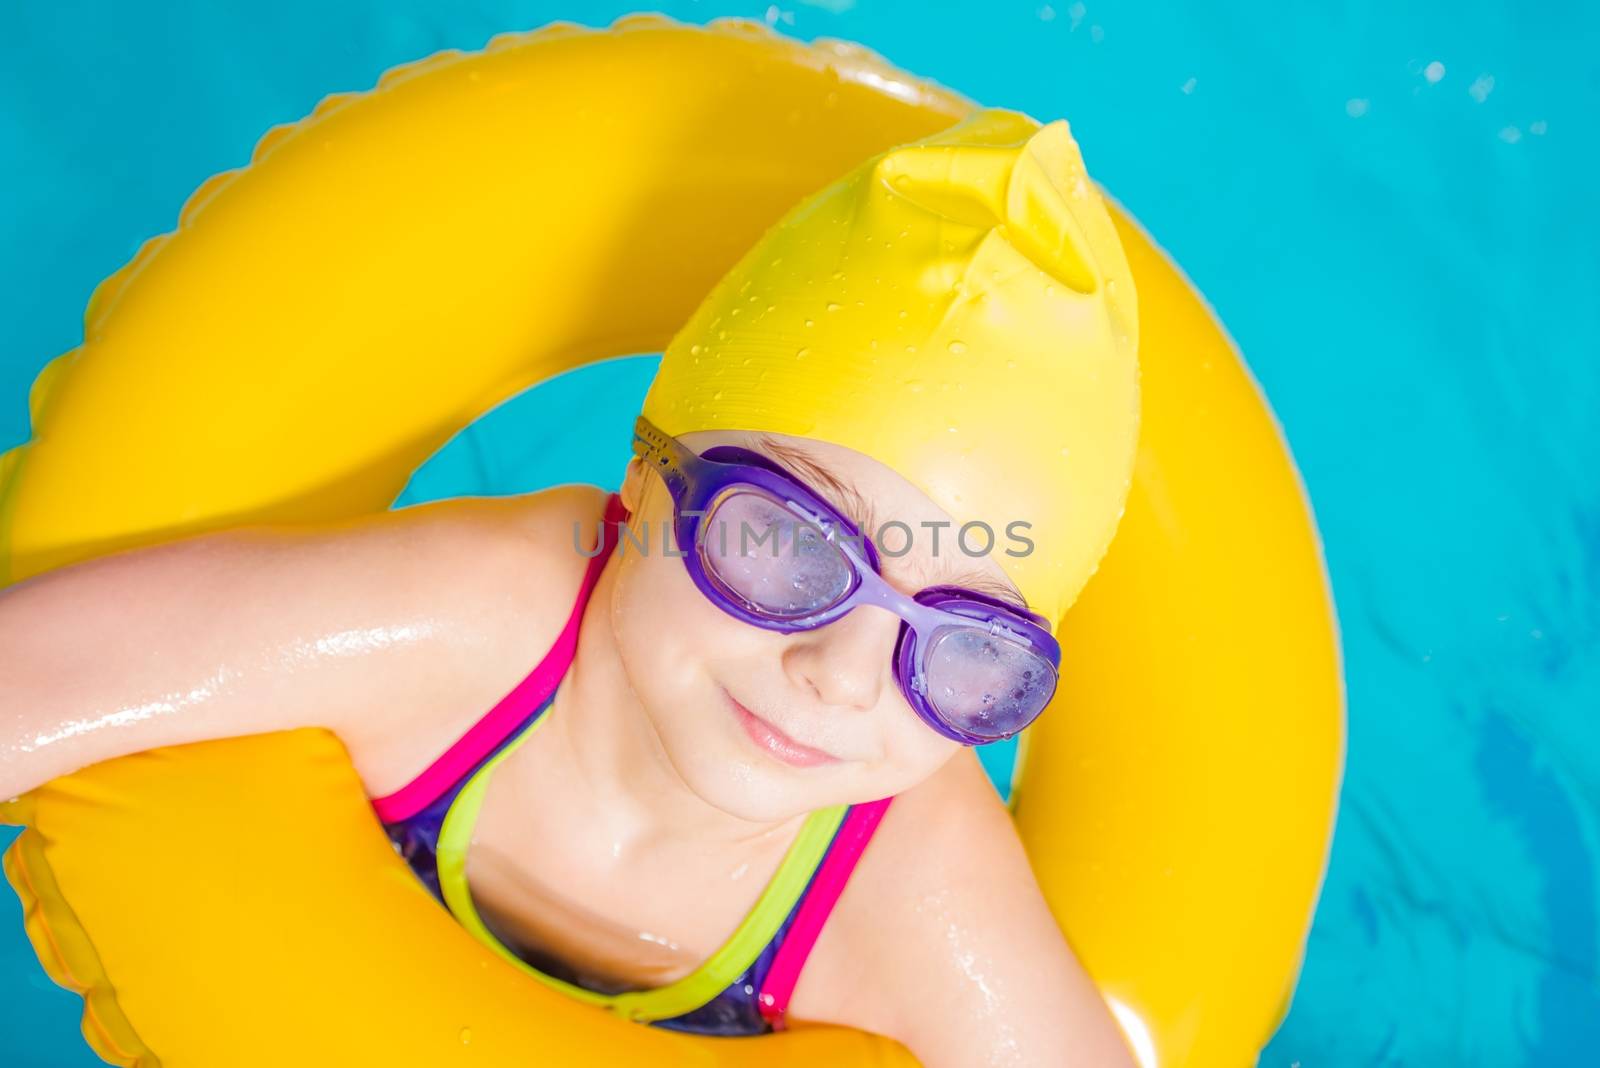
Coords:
pixel 515 707
pixel 849 842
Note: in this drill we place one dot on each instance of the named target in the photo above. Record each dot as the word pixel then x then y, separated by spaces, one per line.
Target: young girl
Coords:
pixel 700 750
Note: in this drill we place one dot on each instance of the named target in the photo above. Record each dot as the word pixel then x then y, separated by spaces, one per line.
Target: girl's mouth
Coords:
pixel 774 742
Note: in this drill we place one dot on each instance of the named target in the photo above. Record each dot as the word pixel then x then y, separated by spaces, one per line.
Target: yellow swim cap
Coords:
pixel 959 309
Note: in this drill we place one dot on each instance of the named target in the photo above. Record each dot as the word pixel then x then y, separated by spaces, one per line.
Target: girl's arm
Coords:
pixel 943 941
pixel 367 627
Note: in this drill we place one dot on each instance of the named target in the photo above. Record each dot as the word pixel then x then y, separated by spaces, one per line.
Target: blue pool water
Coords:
pixel 1393 210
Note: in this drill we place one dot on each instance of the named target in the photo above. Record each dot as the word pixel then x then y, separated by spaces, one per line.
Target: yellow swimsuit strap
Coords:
pixel 693 990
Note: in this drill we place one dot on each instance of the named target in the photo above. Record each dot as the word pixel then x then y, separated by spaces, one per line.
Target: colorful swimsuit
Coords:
pixel 744 987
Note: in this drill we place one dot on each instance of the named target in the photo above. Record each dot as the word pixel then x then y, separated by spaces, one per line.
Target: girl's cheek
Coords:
pixel 936 748
pixel 912 751
pixel 666 631
pixel 639 617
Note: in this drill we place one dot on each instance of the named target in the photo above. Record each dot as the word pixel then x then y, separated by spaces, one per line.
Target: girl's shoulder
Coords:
pixel 551 519
pixel 512 568
pixel 942 936
pixel 950 824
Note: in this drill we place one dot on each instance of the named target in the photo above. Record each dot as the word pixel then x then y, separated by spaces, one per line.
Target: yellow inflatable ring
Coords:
pixel 289 354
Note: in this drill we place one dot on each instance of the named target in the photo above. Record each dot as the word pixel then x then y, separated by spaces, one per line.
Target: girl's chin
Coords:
pixel 746 787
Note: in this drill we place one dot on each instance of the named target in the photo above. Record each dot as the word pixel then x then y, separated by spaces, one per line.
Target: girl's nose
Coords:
pixel 846 663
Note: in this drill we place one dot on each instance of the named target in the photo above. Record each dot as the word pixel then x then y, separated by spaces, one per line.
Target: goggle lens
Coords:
pixel 986 684
pixel 759 551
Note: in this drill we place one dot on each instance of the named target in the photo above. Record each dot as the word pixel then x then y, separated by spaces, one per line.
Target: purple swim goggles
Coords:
pixel 974 668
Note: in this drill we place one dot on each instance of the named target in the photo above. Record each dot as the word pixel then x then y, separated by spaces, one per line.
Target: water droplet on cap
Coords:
pixel 957 348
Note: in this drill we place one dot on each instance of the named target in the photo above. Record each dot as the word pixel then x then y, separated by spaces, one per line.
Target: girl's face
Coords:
pixel 765 725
